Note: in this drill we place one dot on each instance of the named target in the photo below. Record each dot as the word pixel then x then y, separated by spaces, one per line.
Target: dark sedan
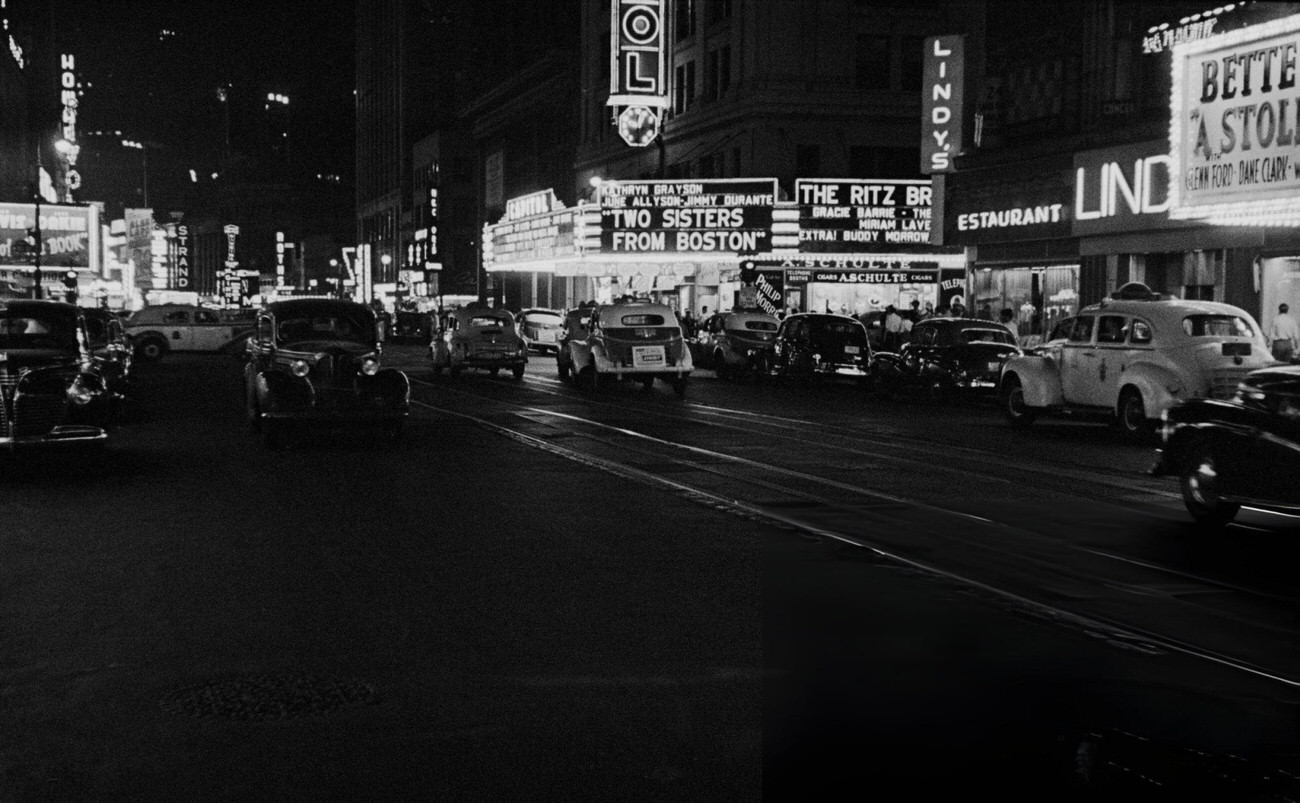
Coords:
pixel 815 345
pixel 51 388
pixel 946 356
pixel 316 362
pixel 1243 451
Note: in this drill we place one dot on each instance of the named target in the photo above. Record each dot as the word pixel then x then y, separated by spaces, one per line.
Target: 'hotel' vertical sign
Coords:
pixel 942 98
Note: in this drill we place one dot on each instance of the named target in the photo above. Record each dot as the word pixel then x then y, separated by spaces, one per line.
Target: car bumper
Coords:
pixel 71 434
pixel 341 417
pixel 493 361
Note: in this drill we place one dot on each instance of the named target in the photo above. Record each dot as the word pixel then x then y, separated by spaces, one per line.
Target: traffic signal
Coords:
pixel 748 273
pixel 70 282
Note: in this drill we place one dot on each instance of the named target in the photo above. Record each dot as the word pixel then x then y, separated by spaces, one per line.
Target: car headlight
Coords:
pixel 79 393
pixel 300 368
pixel 370 366
pixel 817 357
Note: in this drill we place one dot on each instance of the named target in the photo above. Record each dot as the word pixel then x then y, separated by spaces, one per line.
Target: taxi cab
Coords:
pixel 156 330
pixel 639 340
pixel 1131 357
pixel 736 343
pixel 478 336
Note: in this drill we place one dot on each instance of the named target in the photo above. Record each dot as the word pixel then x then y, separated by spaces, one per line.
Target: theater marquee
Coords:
pixel 1233 129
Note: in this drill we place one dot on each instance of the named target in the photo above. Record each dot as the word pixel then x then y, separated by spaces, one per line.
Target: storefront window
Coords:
pixel 1038 296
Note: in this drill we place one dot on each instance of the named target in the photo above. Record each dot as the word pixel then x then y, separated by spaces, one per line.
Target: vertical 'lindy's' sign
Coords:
pixel 637 59
pixel 1233 125
pixel 942 97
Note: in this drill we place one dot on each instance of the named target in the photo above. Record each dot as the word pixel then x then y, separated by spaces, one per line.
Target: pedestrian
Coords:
pixel 914 314
pixel 1284 334
pixel 1008 319
pixel 958 308
pixel 893 328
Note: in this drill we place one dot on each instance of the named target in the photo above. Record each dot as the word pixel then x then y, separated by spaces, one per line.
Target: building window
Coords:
pixel 724 70
pixel 679 89
pixel 871 62
pixel 735 162
pixel 719 10
pixel 808 160
pixel 711 76
pixel 913 57
pixel 684 15
pixel 690 83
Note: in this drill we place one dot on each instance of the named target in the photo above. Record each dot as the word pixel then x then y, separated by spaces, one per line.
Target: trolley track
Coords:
pixel 1127 601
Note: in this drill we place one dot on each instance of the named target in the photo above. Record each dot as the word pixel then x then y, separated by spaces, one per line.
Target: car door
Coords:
pixel 1079 366
pixel 210 333
pixel 785 343
pixel 1112 358
pixel 179 328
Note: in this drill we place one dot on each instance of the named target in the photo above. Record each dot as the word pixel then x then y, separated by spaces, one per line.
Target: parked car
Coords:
pixel 632 340
pixel 573 327
pixel 946 356
pixel 111 350
pixel 1130 357
pixel 540 328
pixel 51 389
pixel 736 344
pixel 163 328
pixel 817 345
pixel 316 362
pixel 1241 451
pixel 410 326
pixel 479 337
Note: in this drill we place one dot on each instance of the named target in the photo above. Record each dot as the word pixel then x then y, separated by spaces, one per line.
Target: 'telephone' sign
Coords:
pixel 637 59
pixel 942 96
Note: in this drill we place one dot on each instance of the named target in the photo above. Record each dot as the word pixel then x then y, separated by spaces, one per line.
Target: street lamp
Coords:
pixel 144 157
pixel 338 275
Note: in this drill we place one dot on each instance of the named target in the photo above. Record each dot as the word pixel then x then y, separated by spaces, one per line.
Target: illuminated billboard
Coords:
pixel 852 215
pixel 704 215
pixel 68 235
pixel 1233 127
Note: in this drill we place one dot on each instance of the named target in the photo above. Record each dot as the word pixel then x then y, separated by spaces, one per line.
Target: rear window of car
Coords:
pixel 1217 326
pixel 541 317
pixel 642 320
pixel 760 326
pixel 986 336
pixel 853 331
pixel 486 320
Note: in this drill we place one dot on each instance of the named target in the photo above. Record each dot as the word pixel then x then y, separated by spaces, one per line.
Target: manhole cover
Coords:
pixel 268 696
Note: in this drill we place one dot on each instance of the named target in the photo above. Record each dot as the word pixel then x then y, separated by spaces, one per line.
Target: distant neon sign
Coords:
pixel 638 62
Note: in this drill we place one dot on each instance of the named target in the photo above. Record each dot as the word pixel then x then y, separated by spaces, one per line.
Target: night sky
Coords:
pixel 162 88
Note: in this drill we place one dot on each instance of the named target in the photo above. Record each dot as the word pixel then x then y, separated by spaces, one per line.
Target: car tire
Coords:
pixel 937 390
pixel 1198 481
pixel 679 385
pixel 1012 397
pixel 151 349
pixel 518 372
pixel 647 382
pixel 253 415
pixel 562 371
pixel 454 371
pixel 720 367
pixel 392 432
pixel 1131 417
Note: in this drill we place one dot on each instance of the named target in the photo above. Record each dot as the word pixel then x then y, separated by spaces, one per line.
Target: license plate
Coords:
pixel 648 356
pixel 1236 349
pixel 546 336
pixel 995 365
pixel 850 349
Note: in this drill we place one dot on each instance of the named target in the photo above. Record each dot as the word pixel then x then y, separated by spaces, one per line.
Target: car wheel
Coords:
pixel 720 367
pixel 647 382
pixel 1131 417
pixel 1013 403
pixel 936 389
pixel 518 372
pixel 562 371
pixel 253 415
pixel 1199 481
pixel 454 371
pixel 586 379
pixel 494 371
pixel 437 369
pixel 679 385
pixel 392 432
pixel 151 350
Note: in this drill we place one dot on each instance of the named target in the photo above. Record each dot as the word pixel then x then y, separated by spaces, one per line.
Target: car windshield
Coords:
pixel 1217 326
pixel 986 336
pixel 324 327
pixel 44 329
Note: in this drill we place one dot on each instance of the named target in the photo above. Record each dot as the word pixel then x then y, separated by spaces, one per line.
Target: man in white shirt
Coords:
pixel 1284 334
